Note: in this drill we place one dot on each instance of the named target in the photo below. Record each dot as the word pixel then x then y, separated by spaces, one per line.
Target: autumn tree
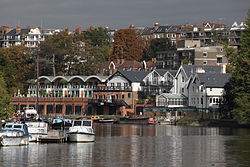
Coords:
pixel 238 89
pixel 127 45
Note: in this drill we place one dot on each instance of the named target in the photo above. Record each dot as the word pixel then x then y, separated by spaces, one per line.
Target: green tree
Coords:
pixel 15 65
pixel 159 44
pixel 6 109
pixel 97 37
pixel 127 45
pixel 238 89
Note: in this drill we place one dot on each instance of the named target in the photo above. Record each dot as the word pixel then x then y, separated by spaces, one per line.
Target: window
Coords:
pixel 122 96
pixel 182 79
pixel 219 59
pixel 182 90
pixel 211 89
pixel 205 54
pixel 204 62
pixel 129 95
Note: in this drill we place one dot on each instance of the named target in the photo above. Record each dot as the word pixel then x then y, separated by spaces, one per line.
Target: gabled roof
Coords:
pixel 172 72
pixel 148 31
pixel 214 80
pixel 134 76
pixel 162 29
pixel 22 31
pixel 161 71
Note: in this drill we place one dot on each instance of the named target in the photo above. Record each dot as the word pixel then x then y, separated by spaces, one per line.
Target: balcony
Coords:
pixel 113 89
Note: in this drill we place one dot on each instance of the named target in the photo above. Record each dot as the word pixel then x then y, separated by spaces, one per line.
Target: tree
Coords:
pixel 15 65
pixel 127 45
pixel 6 109
pixel 159 44
pixel 238 89
pixel 97 37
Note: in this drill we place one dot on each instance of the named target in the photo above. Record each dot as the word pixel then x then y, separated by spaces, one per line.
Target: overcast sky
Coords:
pixel 119 13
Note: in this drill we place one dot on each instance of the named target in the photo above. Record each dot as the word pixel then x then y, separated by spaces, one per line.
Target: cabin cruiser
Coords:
pixel 36 130
pixel 14 134
pixel 81 131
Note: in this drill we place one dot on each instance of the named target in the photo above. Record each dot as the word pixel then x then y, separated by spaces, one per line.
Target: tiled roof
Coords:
pixel 189 69
pixel 214 80
pixel 134 76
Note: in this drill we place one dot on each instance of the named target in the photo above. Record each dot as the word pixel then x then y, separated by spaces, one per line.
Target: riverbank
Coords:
pixel 197 121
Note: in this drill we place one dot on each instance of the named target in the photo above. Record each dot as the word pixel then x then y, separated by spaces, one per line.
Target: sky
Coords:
pixel 119 13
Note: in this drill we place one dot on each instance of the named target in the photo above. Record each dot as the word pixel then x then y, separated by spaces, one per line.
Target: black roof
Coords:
pixel 161 71
pixel 148 31
pixel 134 76
pixel 22 31
pixel 214 80
pixel 191 69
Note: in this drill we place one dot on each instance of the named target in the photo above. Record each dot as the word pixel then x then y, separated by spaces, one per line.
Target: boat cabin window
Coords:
pixel 77 123
pixel 18 126
pixel 8 126
pixel 86 123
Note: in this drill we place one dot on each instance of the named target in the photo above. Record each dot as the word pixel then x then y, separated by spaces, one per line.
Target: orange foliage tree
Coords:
pixel 127 45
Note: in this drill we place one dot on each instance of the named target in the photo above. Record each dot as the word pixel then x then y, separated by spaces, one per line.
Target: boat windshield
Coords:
pixel 8 126
pixel 86 123
pixel 77 123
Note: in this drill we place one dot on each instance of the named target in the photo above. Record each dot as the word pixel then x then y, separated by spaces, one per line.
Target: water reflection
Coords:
pixel 140 145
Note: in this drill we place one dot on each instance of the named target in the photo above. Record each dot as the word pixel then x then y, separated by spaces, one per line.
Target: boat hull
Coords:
pixel 35 137
pixel 13 141
pixel 81 137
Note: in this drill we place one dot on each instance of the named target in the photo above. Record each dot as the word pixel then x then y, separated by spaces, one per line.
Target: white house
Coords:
pixel 206 90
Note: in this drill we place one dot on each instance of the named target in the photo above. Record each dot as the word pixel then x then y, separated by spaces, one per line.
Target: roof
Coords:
pixel 22 31
pixel 214 80
pixel 189 69
pixel 173 72
pixel 173 96
pixel 69 78
pixel 148 31
pixel 134 76
pixel 161 71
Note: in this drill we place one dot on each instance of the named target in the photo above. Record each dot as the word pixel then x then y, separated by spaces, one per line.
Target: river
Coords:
pixel 121 145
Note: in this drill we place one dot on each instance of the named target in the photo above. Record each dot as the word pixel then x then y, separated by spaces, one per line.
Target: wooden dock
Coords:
pixel 54 136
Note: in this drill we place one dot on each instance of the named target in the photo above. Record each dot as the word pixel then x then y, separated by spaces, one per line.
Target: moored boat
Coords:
pixel 14 134
pixel 133 120
pixel 106 120
pixel 37 130
pixel 81 131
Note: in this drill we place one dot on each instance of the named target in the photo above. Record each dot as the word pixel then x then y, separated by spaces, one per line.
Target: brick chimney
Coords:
pixel 18 30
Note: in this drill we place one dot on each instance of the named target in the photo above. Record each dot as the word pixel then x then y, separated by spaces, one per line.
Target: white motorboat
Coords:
pixel 81 131
pixel 14 134
pixel 37 130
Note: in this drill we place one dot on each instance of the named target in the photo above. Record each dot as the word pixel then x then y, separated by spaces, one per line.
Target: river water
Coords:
pixel 120 145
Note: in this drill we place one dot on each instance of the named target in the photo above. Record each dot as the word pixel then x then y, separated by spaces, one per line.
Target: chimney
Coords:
pixel 223 69
pixel 18 30
pixel 156 26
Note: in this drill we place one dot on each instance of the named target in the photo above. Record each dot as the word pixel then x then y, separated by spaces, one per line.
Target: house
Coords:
pixel 184 73
pixel 206 90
